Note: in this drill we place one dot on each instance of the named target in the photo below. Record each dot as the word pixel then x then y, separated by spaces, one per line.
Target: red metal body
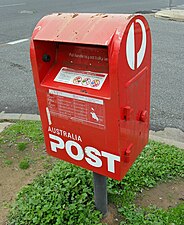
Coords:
pixel 92 79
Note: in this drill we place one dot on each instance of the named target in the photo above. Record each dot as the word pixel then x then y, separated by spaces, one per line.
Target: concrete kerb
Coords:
pixel 167 140
pixel 173 14
pixel 16 116
pixel 171 136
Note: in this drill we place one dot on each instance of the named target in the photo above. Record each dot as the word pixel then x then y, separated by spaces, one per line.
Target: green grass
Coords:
pixel 157 163
pixel 24 164
pixel 22 146
pixel 32 130
pixel 64 195
pixel 8 162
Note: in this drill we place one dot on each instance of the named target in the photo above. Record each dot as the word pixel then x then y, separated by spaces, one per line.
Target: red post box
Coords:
pixel 92 79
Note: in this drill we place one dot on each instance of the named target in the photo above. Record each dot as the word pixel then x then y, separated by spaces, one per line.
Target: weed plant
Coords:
pixel 24 164
pixel 21 146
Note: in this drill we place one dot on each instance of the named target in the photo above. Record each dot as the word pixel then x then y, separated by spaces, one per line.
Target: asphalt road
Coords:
pixel 19 17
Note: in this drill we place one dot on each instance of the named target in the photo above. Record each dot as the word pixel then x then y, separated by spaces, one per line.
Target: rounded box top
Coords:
pixel 82 28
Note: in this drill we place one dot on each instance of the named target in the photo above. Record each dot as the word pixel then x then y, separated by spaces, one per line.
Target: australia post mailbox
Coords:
pixel 92 78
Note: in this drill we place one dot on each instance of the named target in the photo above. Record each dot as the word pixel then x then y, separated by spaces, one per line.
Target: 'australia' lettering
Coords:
pixel 64 133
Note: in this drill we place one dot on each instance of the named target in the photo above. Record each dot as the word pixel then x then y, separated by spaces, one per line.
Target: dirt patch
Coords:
pixel 112 217
pixel 164 195
pixel 12 178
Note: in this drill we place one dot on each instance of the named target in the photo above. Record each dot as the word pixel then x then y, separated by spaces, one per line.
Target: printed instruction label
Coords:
pixel 83 109
pixel 81 78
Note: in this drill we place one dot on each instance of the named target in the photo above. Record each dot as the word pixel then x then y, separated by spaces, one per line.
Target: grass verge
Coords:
pixel 64 195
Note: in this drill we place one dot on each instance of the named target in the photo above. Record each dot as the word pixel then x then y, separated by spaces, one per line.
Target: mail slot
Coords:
pixel 92 79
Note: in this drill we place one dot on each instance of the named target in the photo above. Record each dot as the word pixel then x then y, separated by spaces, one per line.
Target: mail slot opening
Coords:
pixel 81 68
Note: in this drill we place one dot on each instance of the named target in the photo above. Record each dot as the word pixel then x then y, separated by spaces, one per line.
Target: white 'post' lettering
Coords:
pixel 111 160
pixel 93 156
pixel 54 145
pixel 80 153
pixel 93 159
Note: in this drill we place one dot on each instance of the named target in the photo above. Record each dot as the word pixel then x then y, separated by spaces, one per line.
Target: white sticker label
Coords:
pixel 77 97
pixel 81 78
pixel 83 109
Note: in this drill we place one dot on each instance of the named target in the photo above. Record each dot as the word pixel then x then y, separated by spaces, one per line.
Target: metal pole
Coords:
pixel 170 4
pixel 100 192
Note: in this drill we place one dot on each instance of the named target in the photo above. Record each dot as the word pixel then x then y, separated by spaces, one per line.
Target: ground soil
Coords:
pixel 12 179
pixel 112 217
pixel 164 195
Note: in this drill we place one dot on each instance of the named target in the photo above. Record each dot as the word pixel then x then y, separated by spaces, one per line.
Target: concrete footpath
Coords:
pixel 176 14
pixel 171 136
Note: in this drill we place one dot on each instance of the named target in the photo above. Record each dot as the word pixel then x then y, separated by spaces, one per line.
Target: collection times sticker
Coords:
pixel 87 110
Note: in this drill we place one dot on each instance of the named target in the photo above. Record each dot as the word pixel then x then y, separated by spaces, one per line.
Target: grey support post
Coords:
pixel 100 192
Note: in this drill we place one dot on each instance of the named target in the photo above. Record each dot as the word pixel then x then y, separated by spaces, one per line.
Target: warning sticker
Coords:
pixel 86 110
pixel 81 78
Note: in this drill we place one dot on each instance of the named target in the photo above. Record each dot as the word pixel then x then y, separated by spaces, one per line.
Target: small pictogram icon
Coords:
pixel 93 114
